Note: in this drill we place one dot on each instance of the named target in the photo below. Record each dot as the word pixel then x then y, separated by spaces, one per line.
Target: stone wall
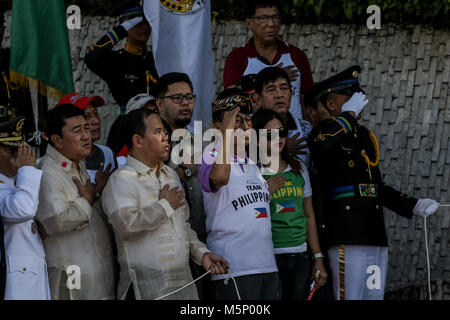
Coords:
pixel 406 73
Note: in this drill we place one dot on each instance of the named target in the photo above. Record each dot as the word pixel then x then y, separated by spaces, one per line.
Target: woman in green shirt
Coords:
pixel 291 212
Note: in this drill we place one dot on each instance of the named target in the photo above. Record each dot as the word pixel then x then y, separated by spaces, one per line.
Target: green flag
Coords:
pixel 40 50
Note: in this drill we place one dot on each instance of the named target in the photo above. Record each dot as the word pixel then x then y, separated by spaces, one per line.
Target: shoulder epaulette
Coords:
pixel 344 123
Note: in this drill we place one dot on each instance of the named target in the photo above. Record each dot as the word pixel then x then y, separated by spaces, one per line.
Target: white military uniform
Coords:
pixel 76 233
pixel 27 277
pixel 154 241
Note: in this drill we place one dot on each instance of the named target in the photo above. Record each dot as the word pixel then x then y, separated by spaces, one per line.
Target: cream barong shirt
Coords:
pixel 154 241
pixel 75 234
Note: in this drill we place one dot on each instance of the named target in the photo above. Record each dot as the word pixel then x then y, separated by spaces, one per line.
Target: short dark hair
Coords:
pixel 56 119
pixel 253 5
pixel 268 75
pixel 162 86
pixel 133 123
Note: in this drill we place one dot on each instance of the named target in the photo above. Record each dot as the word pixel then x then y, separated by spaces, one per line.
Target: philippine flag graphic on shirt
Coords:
pixel 285 207
pixel 261 213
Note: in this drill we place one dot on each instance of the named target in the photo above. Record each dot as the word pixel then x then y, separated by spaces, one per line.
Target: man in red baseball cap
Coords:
pixel 101 156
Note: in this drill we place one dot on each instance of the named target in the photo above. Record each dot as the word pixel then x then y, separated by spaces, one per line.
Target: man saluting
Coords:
pixel 346 156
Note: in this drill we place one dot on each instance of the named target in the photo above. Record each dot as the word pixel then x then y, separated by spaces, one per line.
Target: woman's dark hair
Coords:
pixel 260 120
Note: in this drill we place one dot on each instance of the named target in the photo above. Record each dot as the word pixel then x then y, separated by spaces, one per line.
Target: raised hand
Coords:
pixel 229 119
pixel 291 70
pixel 131 23
pixel 356 103
pixel 295 145
pixel 25 157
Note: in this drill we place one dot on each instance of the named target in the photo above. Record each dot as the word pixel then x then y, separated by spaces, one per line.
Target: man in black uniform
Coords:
pixel 346 156
pixel 129 71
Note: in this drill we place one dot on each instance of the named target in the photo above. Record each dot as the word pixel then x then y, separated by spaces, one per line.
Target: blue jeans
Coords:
pixel 295 271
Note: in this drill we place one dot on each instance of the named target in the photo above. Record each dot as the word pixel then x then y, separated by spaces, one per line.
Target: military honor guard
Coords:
pixel 346 156
pixel 23 255
pixel 128 71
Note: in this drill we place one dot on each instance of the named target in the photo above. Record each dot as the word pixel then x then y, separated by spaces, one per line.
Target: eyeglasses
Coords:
pixel 178 98
pixel 265 19
pixel 282 133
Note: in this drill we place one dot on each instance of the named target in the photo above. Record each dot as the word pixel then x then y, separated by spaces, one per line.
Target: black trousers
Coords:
pixel 262 286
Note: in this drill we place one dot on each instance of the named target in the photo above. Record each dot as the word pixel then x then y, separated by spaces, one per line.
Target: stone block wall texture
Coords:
pixel 406 73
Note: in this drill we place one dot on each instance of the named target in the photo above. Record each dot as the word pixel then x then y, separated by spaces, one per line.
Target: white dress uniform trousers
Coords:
pixel 359 272
pixel 27 277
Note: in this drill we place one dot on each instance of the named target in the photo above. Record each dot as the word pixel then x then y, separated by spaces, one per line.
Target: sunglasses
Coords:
pixel 282 133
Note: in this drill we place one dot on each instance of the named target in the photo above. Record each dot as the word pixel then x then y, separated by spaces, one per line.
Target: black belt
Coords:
pixel 362 190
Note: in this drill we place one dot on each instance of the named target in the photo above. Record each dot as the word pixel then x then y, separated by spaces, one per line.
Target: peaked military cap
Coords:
pixel 345 82
pixel 11 131
pixel 129 9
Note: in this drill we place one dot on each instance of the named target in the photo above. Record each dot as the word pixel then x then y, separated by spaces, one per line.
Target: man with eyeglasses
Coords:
pixel 264 49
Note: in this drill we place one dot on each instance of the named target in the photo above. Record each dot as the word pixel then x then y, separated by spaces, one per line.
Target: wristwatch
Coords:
pixel 318 255
pixel 187 172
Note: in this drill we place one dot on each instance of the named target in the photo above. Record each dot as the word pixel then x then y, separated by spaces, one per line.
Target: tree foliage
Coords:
pixel 433 12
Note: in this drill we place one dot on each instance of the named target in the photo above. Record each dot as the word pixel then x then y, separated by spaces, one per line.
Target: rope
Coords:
pixel 428 257
pixel 235 285
pixel 427 250
pixel 193 281
pixel 377 151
